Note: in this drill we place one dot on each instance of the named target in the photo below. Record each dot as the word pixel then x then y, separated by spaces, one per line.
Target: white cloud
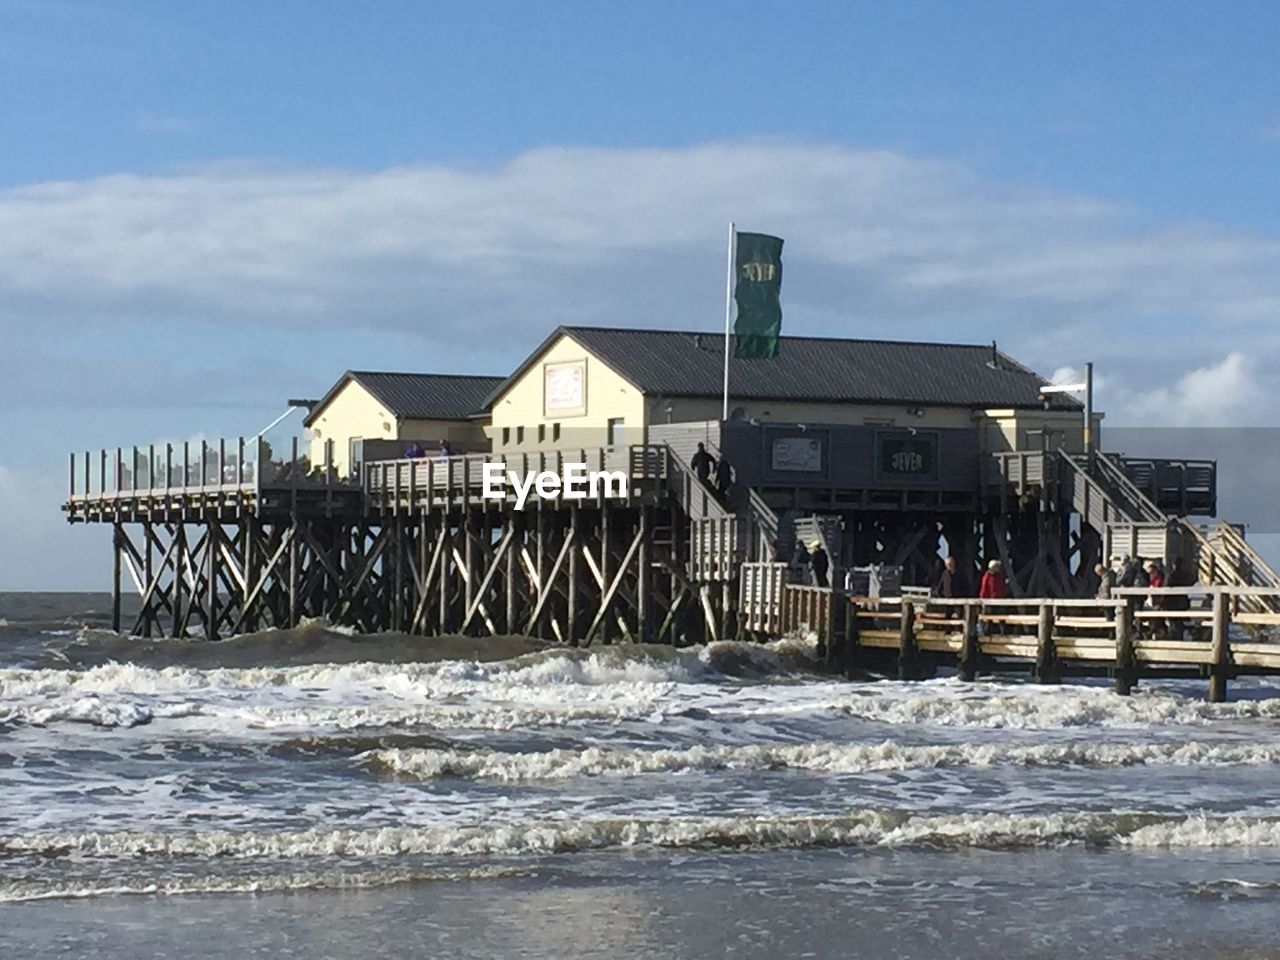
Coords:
pixel 574 228
pixel 1226 393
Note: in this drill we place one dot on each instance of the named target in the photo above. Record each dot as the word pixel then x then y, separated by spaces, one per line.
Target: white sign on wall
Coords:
pixel 797 455
pixel 565 388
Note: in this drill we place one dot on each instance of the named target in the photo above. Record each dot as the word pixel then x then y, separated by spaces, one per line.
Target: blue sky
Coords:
pixel 207 207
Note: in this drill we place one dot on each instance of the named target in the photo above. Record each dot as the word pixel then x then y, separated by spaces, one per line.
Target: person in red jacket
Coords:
pixel 993 586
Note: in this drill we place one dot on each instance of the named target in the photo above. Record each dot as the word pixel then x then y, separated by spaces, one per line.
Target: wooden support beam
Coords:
pixel 606 598
pixel 548 587
pixel 479 594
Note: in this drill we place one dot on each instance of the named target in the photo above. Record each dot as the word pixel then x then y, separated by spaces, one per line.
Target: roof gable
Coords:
pixel 417 396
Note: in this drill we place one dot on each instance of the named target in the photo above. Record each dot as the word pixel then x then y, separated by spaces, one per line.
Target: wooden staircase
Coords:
pixel 1130 522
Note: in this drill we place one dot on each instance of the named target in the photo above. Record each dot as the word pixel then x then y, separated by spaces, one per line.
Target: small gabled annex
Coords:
pixel 373 415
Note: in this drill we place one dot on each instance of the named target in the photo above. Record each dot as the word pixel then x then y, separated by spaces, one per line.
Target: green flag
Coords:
pixel 757 285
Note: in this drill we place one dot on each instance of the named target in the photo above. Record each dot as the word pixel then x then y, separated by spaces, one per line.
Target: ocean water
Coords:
pixel 313 793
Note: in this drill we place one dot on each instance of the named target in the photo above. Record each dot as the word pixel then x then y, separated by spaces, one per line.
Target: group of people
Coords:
pixel 950 583
pixel 715 475
pixel 1126 571
pixel 415 450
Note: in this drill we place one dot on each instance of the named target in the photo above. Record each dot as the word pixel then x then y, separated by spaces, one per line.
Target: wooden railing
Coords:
pixel 129 476
pixel 407 484
pixel 695 498
pixel 1180 487
pixel 1138 633
pixel 761 592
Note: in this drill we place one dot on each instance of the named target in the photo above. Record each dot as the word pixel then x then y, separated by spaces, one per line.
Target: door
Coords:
pixel 616 426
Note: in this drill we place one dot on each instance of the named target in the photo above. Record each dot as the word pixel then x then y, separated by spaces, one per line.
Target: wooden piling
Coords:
pixel 117 550
pixel 1221 627
pixel 907 651
pixel 971 649
pixel 1046 656
pixel 1125 661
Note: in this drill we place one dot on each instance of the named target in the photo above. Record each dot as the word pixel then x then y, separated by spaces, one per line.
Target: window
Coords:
pixel 506 436
pixel 555 431
pixel 519 434
pixel 542 433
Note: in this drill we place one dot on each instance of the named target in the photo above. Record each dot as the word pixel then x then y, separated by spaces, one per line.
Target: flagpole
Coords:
pixel 728 315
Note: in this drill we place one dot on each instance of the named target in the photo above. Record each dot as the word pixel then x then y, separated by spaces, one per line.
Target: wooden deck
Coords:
pixel 1218 637
pixel 226 479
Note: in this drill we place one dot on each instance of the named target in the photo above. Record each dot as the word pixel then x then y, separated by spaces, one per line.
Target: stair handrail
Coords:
pixel 1235 542
pixel 1115 474
pixel 1079 465
pixel 694 491
pixel 762 518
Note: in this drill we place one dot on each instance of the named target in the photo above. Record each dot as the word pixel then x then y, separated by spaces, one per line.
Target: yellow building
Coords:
pixel 588 386
pixel 371 416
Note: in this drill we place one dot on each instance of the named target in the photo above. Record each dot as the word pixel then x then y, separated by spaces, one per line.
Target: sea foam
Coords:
pixel 865 828
pixel 832 758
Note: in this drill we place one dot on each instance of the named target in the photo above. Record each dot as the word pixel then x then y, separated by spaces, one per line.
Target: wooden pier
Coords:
pixel 226 537
pixel 1211 633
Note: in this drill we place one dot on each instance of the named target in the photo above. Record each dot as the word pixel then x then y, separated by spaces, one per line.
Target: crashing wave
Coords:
pixel 836 758
pixel 866 828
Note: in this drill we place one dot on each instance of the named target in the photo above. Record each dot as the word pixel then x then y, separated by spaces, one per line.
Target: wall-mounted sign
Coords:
pixel 796 455
pixel 564 388
pixel 907 456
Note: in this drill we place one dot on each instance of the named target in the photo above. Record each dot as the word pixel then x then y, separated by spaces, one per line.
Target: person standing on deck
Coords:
pixel 1155 578
pixel 1106 581
pixel 1179 576
pixel 993 587
pixel 1129 570
pixel 446 451
pixel 951 584
pixel 800 563
pixel 702 464
pixel 819 562
pixel 724 477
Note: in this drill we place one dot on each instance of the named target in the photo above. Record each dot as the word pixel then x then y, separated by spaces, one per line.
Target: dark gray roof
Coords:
pixel 682 364
pixel 440 396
